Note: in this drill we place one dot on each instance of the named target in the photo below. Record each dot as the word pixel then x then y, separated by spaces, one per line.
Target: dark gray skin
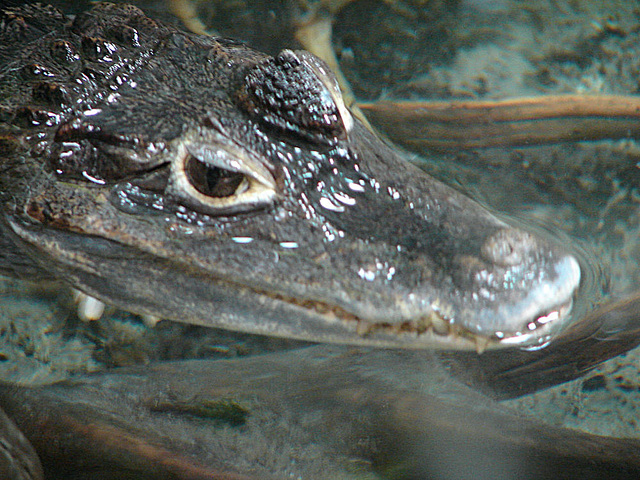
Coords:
pixel 195 179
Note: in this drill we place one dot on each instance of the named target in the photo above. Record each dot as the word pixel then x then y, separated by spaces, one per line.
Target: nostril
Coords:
pixel 507 247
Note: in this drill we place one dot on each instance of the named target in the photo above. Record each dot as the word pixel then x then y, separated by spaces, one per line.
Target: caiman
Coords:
pixel 195 179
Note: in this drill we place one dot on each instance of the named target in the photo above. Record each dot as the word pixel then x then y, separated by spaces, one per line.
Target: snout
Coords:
pixel 517 286
pixel 508 247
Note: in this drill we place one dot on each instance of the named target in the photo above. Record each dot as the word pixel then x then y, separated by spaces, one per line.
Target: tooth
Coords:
pixel 422 325
pixel 481 344
pixel 150 320
pixel 439 324
pixel 456 331
pixel 89 308
pixel 363 328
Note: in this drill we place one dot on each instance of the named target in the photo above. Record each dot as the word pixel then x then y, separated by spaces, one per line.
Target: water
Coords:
pixel 582 194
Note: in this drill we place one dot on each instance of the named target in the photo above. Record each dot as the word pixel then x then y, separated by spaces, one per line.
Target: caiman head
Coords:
pixel 195 179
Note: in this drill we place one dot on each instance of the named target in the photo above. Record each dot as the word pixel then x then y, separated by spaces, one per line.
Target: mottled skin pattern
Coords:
pixel 196 179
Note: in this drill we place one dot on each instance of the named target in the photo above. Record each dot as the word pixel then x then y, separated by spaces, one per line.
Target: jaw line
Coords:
pixel 543 332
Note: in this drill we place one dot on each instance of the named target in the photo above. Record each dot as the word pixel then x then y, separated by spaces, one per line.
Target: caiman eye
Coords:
pixel 214 181
pixel 220 179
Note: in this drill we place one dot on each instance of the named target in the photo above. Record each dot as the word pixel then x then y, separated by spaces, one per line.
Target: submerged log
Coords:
pixel 318 413
pixel 18 459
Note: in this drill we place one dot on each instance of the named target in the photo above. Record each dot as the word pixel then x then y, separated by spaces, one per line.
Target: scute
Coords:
pixel 285 92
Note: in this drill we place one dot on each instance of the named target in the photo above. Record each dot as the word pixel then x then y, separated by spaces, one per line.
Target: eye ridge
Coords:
pixel 213 181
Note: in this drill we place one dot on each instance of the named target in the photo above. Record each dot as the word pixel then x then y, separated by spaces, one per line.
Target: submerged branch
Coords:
pixel 513 122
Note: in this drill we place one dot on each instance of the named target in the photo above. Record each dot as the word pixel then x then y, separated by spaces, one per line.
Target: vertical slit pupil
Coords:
pixel 212 181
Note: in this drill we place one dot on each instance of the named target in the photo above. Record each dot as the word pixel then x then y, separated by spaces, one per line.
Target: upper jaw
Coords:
pixel 436 319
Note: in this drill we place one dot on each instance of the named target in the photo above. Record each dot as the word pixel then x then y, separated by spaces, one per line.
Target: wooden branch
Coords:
pixel 513 122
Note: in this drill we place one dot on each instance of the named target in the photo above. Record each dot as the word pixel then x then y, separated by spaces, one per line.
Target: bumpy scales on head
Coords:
pixel 195 179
